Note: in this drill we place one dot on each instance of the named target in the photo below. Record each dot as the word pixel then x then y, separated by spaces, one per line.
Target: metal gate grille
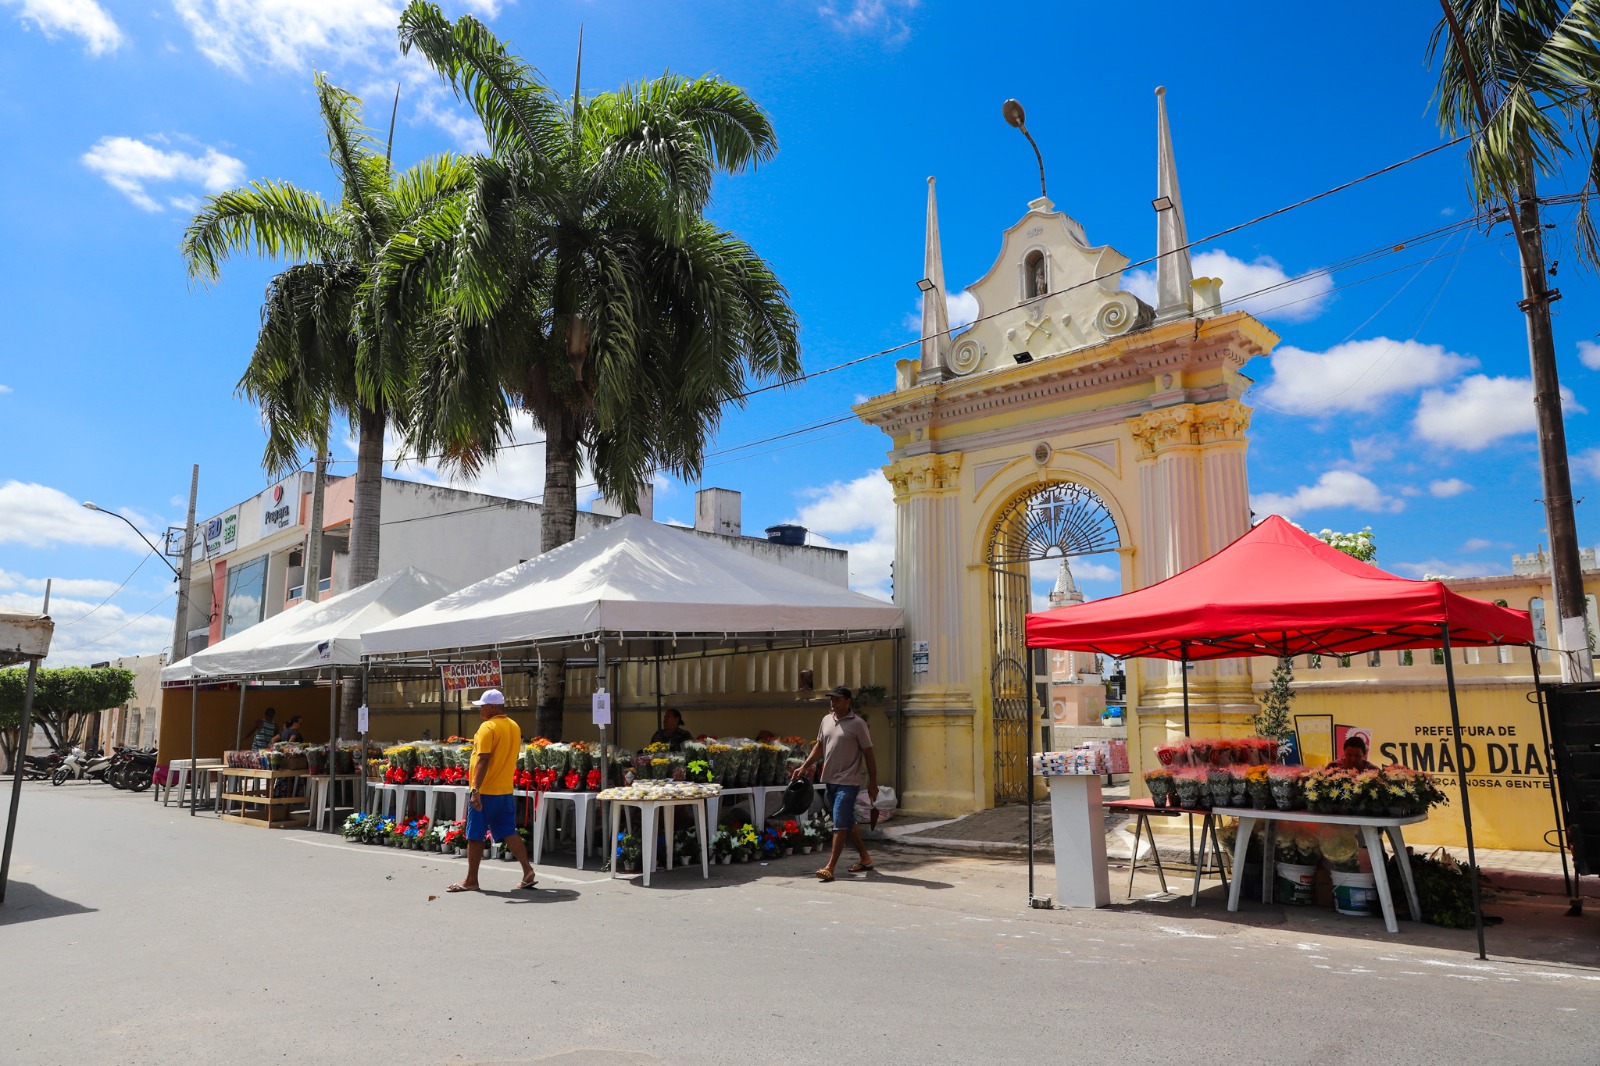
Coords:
pixel 1053 521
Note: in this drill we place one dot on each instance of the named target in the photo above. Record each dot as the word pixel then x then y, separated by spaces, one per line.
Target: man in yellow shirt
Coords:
pixel 491 808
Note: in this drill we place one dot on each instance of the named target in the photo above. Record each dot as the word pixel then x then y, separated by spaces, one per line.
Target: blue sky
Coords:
pixel 1398 398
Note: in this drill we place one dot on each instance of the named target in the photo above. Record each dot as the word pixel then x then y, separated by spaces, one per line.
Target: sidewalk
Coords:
pixel 1004 831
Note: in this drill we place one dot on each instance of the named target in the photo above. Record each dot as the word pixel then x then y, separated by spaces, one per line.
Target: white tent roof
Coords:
pixel 633 578
pixel 309 636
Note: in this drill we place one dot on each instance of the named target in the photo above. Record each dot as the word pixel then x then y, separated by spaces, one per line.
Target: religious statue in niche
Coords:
pixel 1037 281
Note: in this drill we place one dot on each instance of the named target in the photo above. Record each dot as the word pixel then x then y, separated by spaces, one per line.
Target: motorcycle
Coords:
pixel 71 768
pixel 40 767
pixel 129 765
pixel 98 766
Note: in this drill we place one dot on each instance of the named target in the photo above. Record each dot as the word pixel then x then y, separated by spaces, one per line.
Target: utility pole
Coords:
pixel 180 624
pixel 1566 569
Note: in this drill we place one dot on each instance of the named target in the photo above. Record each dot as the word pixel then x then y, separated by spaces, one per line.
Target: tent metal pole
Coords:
pixel 1550 776
pixel 238 730
pixel 194 771
pixel 658 685
pixel 1027 769
pixel 1183 673
pixel 1466 800
pixel 333 745
pixel 361 755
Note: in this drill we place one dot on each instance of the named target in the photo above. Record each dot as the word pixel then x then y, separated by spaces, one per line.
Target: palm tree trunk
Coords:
pixel 558 523
pixel 366 511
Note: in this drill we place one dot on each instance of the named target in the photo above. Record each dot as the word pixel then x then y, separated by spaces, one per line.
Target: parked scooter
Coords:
pixel 72 767
pixel 40 767
pixel 128 765
pixel 98 766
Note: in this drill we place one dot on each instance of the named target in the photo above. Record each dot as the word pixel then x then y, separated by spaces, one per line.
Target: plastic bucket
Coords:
pixel 1294 883
pixel 1353 893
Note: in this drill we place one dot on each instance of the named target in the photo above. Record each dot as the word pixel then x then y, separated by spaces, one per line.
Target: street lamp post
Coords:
pixel 1015 116
pixel 179 623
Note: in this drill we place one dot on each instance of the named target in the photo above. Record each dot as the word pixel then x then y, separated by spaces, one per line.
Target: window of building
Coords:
pixel 247 596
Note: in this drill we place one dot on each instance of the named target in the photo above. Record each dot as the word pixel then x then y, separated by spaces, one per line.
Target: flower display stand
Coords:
pixel 1077 828
pixel 254 793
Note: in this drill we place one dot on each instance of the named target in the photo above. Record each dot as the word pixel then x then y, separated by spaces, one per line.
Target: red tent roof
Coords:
pixel 1276 591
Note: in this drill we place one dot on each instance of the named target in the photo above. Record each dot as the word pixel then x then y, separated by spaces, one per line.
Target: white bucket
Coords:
pixel 1353 893
pixel 1294 883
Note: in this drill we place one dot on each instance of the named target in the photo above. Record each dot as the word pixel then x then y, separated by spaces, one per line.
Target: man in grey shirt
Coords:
pixel 843 745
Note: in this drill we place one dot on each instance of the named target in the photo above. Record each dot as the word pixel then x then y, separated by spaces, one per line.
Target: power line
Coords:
pixel 142 560
pixel 119 629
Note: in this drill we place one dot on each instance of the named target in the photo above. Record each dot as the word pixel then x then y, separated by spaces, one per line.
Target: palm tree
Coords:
pixel 587 282
pixel 1523 78
pixel 326 343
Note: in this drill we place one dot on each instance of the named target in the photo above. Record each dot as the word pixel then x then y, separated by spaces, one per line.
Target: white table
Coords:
pixel 758 802
pixel 186 777
pixel 647 831
pixel 1368 824
pixel 582 804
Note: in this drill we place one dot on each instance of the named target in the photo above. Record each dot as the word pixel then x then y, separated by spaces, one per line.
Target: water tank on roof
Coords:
pixel 792 535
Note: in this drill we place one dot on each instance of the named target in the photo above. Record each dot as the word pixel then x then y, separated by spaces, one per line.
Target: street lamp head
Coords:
pixel 1014 114
pixel 91 506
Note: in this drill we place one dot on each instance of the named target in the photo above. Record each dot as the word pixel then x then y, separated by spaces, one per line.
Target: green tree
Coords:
pixel 63 700
pixel 586 287
pixel 1522 77
pixel 327 344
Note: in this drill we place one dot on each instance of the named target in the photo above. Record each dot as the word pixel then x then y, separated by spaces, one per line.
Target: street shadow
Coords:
pixel 536 895
pixel 878 877
pixel 28 903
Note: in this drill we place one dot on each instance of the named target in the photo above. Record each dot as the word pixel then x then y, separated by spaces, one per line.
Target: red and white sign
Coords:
pixel 459 677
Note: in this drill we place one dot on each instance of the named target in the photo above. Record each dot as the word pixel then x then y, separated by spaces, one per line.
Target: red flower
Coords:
pixel 524 779
pixel 572 780
pixel 594 780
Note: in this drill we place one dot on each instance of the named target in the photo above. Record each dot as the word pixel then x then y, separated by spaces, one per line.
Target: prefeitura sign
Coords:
pixel 461 676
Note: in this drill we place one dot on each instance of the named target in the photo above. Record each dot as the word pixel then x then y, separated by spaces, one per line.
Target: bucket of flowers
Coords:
pixel 1284 781
pixel 792 839
pixel 627 856
pixel 1297 853
pixel 1159 782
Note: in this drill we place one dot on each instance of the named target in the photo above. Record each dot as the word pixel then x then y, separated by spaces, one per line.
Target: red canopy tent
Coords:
pixel 1278 591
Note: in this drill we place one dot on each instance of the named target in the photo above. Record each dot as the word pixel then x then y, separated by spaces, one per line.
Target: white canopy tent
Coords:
pixel 310 637
pixel 634 583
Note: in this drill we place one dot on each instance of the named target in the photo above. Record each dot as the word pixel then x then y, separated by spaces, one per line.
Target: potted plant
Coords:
pixel 1259 787
pixel 1285 783
pixel 722 847
pixel 1159 782
pixel 628 856
pixel 1190 784
pixel 1219 785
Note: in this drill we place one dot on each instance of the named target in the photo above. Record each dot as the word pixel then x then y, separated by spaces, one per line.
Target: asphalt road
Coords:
pixel 137 934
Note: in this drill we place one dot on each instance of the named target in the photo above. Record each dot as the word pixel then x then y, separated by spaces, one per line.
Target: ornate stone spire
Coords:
pixel 935 313
pixel 1174 275
pixel 1066 590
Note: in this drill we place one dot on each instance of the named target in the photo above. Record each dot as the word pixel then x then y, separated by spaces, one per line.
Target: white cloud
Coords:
pixel 1478 544
pixel 884 17
pixel 81 18
pixel 438 107
pixel 107 633
pixel 517 472
pixel 1588 462
pixel 42 517
pixel 1480 411
pixel 1356 375
pixel 58 586
pixel 1448 487
pixel 1335 488
pixel 1439 568
pixel 130 165
pixel 1261 286
pixel 4 389
pixel 857 516
pixel 292 34
pixel 962 308
pixel 1589 354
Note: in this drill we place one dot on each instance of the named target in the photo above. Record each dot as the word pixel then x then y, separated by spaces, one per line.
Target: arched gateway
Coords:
pixel 1072 417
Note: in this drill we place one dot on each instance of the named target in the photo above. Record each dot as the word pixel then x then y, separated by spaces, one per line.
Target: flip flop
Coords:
pixel 458 887
pixel 824 876
pixel 531 881
pixel 861 867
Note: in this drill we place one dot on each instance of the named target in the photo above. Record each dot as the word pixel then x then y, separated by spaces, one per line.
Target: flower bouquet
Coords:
pixel 792 838
pixel 773 764
pixel 1287 791
pixel 628 856
pixel 316 759
pixel 1219 785
pixel 1200 752
pixel 724 761
pixel 1159 782
pixel 746 843
pixel 1406 792
pixel 814 834
pixel 1190 785
pixel 771 843
pixel 1340 848
pixel 698 770
pixel 1297 842
pixel 722 847
pixel 1331 790
pixel 1258 786
pixel 1173 756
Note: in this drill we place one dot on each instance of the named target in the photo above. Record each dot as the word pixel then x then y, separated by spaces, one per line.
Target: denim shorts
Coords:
pixel 842 805
pixel 498 818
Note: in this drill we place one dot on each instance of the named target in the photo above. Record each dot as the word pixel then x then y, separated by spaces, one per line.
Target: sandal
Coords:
pixel 824 876
pixel 531 881
pixel 861 868
pixel 463 887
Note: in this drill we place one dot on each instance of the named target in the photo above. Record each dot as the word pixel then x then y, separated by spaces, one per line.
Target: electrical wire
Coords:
pixel 142 560
pixel 119 629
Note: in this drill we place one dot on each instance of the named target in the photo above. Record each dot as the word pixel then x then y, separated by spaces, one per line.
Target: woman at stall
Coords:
pixel 1355 753
pixel 672 731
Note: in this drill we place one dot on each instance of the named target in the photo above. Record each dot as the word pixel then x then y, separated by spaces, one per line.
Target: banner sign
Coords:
pixel 222 534
pixel 459 677
pixel 601 707
pixel 280 507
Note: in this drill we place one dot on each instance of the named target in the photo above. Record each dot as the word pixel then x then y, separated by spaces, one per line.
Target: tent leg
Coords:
pixel 1027 777
pixel 361 755
pixel 1550 775
pixel 194 771
pixel 1183 673
pixel 238 730
pixel 333 744
pixel 1466 800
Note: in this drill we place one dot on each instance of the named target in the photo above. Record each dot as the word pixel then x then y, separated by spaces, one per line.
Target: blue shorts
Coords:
pixel 498 818
pixel 842 805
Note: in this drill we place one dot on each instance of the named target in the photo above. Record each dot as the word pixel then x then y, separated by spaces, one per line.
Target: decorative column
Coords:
pixel 928 573
pixel 1222 428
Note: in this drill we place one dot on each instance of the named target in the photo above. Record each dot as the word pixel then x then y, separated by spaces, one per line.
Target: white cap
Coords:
pixel 491 698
